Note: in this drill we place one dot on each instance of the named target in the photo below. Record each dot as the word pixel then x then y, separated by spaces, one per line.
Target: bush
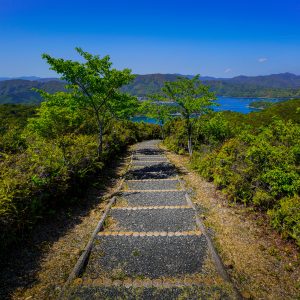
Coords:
pixel 253 164
pixel 285 217
pixel 50 170
pixel 175 136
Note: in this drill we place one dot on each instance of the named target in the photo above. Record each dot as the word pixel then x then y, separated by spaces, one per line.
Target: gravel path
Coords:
pixel 147 163
pixel 151 236
pixel 150 257
pixel 150 158
pixel 158 171
pixel 153 198
pixel 153 293
pixel 154 219
pixel 154 185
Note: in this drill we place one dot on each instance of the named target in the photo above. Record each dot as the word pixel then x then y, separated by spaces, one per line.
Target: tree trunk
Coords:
pixel 190 147
pixel 162 131
pixel 189 131
pixel 100 139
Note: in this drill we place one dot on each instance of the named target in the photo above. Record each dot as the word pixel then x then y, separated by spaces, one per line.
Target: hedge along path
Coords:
pixel 150 243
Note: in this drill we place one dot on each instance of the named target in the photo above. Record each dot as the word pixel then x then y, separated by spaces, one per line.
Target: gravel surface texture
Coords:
pixel 148 151
pixel 160 171
pixel 154 198
pixel 150 293
pixel 150 257
pixel 138 163
pixel 154 219
pixel 153 185
pixel 150 158
pixel 154 166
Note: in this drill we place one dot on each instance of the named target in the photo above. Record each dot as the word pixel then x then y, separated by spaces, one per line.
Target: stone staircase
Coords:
pixel 151 246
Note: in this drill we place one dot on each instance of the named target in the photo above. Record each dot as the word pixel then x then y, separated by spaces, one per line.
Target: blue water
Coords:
pixel 240 105
pixel 145 119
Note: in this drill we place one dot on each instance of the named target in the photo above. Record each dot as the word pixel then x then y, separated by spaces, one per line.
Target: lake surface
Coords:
pixel 240 105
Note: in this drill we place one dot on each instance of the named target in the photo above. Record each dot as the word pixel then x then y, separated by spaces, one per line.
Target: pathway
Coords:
pixel 152 245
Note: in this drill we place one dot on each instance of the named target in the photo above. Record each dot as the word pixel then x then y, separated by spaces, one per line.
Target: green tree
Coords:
pixel 96 87
pixel 159 111
pixel 193 99
pixel 59 119
pixel 58 115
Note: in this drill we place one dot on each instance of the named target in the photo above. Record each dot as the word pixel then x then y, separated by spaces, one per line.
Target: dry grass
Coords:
pixel 111 224
pixel 121 202
pixel 259 261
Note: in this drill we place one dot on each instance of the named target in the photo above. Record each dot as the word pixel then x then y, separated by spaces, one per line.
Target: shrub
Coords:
pixel 253 164
pixel 50 170
pixel 285 217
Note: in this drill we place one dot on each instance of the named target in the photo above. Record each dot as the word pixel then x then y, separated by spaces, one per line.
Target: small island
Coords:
pixel 261 104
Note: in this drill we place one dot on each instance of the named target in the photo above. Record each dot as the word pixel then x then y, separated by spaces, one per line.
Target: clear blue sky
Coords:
pixel 221 38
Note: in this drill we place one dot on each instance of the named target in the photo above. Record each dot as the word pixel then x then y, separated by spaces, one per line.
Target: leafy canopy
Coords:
pixel 96 83
pixel 191 95
pixel 161 111
pixel 58 115
pixel 193 99
pixel 96 87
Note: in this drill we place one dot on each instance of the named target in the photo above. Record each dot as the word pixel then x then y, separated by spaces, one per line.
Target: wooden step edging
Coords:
pixel 142 283
pixel 83 257
pixel 152 207
pixel 218 261
pixel 153 179
pixel 85 254
pixel 150 233
pixel 151 191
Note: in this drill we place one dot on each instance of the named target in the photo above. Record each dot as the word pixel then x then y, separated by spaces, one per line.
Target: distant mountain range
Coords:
pixel 31 78
pixel 18 90
pixel 275 85
pixel 282 80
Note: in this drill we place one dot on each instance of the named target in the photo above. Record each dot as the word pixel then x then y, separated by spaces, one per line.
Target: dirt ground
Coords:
pixel 260 263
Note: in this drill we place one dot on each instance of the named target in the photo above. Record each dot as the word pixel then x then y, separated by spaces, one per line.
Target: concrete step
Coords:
pixel 151 198
pixel 150 158
pixel 153 185
pixel 156 171
pixel 146 256
pixel 158 167
pixel 148 151
pixel 154 219
pixel 191 292
pixel 148 163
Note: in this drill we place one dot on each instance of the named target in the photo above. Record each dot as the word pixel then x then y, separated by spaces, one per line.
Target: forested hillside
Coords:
pixel 20 91
pixel 283 80
pixel 277 85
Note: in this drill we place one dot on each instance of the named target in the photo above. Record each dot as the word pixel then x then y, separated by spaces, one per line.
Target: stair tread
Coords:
pixel 152 257
pixel 160 219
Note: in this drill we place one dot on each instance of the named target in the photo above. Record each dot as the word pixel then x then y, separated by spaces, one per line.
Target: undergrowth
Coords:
pixel 254 159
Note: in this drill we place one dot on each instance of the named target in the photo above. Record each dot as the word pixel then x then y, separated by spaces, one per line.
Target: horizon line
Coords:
pixel 145 74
